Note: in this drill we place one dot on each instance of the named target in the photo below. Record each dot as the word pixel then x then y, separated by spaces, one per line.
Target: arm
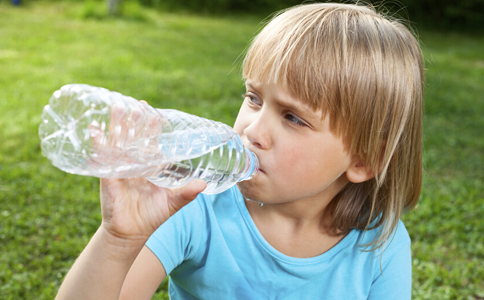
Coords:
pixel 132 210
pixel 100 270
pixel 144 277
pixel 115 261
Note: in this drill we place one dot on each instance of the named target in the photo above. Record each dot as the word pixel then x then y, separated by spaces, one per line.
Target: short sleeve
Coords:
pixel 393 277
pixel 179 237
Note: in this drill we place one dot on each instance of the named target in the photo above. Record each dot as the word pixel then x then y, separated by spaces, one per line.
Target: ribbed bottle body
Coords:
pixel 95 132
pixel 220 168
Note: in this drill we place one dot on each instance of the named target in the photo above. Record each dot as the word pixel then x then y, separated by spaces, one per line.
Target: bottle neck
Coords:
pixel 252 165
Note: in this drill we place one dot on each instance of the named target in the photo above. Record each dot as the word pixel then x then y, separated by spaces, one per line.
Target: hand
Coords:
pixel 132 209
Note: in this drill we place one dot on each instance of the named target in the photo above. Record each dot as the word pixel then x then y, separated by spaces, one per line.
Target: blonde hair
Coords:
pixel 365 71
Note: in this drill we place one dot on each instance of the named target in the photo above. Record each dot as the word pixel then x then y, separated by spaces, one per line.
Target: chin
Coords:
pixel 248 190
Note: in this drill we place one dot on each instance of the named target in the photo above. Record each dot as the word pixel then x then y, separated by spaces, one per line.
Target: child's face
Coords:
pixel 299 156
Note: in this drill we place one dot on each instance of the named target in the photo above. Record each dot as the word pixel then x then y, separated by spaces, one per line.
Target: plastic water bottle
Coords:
pixel 92 131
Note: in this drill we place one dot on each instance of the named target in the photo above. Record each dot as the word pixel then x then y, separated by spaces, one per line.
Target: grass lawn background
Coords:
pixel 187 62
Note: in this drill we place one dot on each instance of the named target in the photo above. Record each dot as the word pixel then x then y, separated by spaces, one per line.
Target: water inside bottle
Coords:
pixel 220 168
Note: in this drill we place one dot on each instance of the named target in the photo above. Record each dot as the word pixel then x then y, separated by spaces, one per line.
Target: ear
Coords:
pixel 359 172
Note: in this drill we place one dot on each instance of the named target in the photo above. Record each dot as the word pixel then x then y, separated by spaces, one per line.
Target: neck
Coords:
pixel 298 215
pixel 300 228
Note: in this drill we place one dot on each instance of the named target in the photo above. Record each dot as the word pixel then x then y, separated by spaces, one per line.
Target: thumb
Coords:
pixel 191 190
pixel 186 194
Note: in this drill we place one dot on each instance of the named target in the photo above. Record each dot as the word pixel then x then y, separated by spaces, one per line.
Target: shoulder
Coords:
pixel 392 268
pixel 398 237
pixel 394 252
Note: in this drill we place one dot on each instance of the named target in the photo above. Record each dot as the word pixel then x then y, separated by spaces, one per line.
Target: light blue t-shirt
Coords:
pixel 213 250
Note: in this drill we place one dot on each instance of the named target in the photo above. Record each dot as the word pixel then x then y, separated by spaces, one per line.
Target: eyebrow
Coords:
pixel 300 109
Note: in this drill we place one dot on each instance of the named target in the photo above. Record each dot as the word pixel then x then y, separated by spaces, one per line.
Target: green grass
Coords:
pixel 186 62
pixel 447 225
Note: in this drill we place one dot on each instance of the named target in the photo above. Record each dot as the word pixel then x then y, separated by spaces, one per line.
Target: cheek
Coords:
pixel 240 122
pixel 238 128
pixel 311 162
pixel 295 161
pixel 297 175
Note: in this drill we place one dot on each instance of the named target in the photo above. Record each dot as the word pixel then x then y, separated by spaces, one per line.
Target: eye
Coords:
pixel 295 120
pixel 253 99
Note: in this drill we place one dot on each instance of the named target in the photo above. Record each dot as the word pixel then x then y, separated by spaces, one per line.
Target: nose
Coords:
pixel 258 132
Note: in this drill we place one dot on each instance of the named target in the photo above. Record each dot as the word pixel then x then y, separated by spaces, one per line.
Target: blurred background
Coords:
pixel 185 54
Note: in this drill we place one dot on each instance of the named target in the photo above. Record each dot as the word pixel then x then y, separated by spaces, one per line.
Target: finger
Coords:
pixel 141 132
pixel 153 128
pixel 135 123
pixel 147 124
pixel 118 123
pixel 97 135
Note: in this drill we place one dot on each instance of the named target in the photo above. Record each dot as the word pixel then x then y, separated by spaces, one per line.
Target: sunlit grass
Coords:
pixel 187 62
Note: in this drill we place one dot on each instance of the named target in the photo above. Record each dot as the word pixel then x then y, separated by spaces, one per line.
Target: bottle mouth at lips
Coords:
pixel 253 165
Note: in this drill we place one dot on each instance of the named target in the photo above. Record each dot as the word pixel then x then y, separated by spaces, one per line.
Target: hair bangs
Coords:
pixel 291 59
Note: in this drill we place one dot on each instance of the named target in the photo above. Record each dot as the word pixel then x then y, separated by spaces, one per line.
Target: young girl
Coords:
pixel 333 110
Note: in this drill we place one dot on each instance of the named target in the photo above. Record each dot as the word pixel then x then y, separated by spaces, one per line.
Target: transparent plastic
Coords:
pixel 92 131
